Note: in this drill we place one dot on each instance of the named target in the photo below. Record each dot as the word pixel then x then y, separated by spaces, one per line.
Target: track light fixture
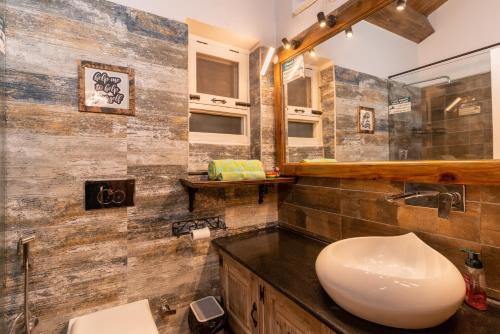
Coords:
pixel 324 21
pixel 286 44
pixel 349 33
pixel 290 45
pixel 401 5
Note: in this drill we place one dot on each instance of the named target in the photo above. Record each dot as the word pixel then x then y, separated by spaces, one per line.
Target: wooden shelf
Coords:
pixel 193 186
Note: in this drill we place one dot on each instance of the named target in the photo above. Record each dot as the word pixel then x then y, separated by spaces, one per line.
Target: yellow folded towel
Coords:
pixel 317 161
pixel 225 170
pixel 240 176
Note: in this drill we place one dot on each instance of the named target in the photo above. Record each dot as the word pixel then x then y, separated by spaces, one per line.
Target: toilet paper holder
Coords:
pixel 185 227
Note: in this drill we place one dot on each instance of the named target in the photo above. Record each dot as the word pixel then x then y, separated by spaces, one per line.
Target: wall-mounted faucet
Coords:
pixel 443 197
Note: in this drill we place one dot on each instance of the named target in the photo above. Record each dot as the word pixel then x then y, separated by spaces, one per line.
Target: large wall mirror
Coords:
pixel 366 93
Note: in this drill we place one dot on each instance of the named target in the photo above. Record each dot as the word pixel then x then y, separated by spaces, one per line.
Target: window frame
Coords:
pixel 204 104
pixel 220 138
pixel 316 140
pixel 307 116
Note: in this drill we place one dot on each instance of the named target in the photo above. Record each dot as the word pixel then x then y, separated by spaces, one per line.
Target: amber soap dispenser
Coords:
pixel 475 283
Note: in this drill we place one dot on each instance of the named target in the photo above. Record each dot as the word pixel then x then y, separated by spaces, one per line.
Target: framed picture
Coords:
pixel 366 120
pixel 106 88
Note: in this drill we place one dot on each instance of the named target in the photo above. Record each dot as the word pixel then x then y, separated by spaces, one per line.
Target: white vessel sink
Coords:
pixel 394 281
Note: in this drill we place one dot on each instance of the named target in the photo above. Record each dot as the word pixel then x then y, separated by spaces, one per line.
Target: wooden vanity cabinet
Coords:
pixel 255 307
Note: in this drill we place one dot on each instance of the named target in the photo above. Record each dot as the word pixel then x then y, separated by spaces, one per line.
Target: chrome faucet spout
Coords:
pixel 418 194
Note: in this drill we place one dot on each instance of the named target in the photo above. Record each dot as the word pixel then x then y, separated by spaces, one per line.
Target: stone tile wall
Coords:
pixel 85 261
pixel 335 209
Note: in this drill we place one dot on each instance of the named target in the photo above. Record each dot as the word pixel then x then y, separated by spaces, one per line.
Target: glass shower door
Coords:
pixel 444 111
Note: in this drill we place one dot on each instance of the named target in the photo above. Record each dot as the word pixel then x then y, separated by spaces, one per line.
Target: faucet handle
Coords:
pixel 446 201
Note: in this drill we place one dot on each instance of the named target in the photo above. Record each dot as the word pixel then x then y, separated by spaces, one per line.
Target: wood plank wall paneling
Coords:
pixel 355 89
pixel 3 317
pixel 86 261
pixel 335 209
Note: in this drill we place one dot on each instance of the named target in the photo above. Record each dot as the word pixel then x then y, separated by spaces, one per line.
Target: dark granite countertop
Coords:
pixel 285 260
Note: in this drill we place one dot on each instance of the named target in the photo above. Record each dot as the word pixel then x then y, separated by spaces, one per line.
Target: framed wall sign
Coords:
pixel 366 120
pixel 106 88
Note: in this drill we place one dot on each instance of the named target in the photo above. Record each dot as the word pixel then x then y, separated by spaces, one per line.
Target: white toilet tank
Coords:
pixel 133 318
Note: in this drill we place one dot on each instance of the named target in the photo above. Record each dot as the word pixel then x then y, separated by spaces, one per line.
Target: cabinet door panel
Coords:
pixel 239 289
pixel 285 317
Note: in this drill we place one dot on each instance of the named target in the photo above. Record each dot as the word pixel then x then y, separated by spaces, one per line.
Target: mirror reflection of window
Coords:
pixel 300 129
pixel 299 92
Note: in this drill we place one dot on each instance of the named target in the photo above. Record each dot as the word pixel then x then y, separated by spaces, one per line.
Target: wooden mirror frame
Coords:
pixel 429 171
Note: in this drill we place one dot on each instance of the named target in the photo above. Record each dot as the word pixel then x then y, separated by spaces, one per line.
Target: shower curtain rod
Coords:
pixel 445 60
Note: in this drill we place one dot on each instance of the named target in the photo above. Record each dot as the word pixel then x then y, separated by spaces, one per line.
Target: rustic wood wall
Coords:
pixel 85 261
pixel 337 209
pixel 327 97
pixel 353 90
pixel 262 138
pixel 3 319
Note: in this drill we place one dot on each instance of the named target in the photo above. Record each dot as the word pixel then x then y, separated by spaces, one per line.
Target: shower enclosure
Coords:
pixel 443 111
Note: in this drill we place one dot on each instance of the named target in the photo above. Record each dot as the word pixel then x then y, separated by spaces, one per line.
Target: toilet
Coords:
pixel 133 318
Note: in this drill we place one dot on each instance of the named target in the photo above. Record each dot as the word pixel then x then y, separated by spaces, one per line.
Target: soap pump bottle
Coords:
pixel 475 283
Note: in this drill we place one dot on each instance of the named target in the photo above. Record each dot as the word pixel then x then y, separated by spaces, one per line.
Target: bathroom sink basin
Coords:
pixel 394 281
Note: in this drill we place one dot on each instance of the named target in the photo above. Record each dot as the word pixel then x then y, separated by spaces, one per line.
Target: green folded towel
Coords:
pixel 247 169
pixel 317 161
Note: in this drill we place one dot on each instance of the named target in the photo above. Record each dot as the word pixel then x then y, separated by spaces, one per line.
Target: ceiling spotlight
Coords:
pixel 401 5
pixel 349 33
pixel 286 44
pixel 290 45
pixel 312 53
pixel 324 21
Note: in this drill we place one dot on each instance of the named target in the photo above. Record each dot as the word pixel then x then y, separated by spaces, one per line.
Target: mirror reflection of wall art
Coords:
pixel 366 120
pixel 106 88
